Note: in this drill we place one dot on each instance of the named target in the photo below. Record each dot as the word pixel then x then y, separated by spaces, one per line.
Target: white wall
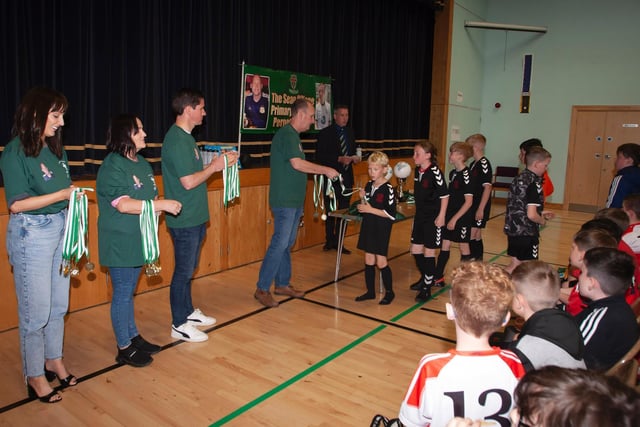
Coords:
pixel 589 56
pixel 467 70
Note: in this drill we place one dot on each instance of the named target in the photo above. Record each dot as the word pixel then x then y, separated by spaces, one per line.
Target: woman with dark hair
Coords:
pixel 124 184
pixel 37 188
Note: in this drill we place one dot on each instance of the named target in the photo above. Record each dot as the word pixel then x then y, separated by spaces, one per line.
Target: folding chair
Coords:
pixel 626 369
pixel 502 178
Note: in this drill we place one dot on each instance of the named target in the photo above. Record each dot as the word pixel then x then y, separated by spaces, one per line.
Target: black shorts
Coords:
pixel 425 233
pixel 479 224
pixel 523 248
pixel 458 234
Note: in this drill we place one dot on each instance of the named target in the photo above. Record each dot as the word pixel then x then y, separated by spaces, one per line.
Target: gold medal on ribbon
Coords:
pixel 64 268
pixel 152 269
pixel 74 270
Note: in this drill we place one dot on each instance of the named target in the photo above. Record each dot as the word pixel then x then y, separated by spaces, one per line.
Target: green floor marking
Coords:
pixel 244 408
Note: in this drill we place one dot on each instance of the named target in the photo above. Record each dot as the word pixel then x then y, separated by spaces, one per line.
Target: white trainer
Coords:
pixel 188 332
pixel 198 318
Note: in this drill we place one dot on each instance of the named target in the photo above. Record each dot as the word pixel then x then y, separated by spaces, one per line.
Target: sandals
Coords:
pixel 64 382
pixel 52 397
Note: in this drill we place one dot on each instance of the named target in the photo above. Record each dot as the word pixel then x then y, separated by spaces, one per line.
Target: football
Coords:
pixel 402 170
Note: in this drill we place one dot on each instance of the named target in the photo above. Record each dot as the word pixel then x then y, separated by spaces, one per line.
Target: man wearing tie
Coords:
pixel 336 148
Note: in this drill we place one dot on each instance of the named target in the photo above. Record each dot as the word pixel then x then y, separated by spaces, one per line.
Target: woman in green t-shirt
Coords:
pixel 37 188
pixel 125 182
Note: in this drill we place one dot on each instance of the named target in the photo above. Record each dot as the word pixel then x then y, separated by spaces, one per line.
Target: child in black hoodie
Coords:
pixel 549 336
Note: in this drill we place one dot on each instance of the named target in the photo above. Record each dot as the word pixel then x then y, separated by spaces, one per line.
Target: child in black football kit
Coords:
pixel 378 213
pixel 481 181
pixel 431 198
pixel 458 216
pixel 525 209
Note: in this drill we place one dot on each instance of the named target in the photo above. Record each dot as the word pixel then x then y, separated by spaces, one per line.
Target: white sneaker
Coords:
pixel 188 332
pixel 198 318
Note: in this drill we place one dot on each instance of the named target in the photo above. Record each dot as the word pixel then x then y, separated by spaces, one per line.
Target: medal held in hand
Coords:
pixel 150 245
pixel 74 244
pixel 318 199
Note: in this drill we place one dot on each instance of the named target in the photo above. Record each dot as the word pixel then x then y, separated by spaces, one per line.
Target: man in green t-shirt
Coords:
pixel 289 171
pixel 184 179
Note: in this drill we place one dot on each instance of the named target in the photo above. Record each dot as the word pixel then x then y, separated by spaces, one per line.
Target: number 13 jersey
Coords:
pixel 476 385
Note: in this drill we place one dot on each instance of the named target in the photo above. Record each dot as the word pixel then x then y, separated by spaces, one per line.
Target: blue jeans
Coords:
pixel 186 251
pixel 276 264
pixel 123 281
pixel 34 245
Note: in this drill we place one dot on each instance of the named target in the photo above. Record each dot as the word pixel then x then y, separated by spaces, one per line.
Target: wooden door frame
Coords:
pixel 575 110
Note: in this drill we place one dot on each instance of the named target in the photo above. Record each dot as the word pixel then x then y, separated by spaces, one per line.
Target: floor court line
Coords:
pixel 311 369
pixel 244 408
pixel 336 354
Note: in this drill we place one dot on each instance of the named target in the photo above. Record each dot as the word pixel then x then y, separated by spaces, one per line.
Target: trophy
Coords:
pixel 401 170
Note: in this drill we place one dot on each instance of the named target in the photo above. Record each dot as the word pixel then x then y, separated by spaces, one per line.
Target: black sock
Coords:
pixel 466 258
pixel 479 250
pixel 419 258
pixel 473 247
pixel 370 282
pixel 387 279
pixel 429 271
pixel 443 258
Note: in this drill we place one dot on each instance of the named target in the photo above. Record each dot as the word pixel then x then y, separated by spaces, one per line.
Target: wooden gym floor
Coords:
pixel 324 360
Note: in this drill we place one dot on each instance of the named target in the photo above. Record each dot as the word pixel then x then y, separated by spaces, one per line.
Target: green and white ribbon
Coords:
pixel 343 190
pixel 149 233
pixel 74 243
pixel 318 200
pixel 318 183
pixel 331 194
pixel 230 182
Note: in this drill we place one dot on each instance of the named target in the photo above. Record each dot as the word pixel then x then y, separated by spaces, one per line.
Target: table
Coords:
pixel 406 209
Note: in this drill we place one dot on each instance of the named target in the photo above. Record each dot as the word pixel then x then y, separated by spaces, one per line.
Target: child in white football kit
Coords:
pixel 474 380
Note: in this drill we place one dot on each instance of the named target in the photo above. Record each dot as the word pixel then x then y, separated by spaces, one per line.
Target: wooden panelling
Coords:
pixel 441 77
pixel 245 225
pixel 212 255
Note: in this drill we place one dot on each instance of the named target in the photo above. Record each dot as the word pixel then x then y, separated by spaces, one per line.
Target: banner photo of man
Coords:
pixel 256 102
pixel 323 105
pixel 269 94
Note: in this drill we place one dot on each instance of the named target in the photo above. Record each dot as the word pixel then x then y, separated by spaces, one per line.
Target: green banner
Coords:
pixel 267 97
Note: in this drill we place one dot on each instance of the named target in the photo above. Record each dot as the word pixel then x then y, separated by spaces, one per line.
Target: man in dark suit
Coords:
pixel 336 148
